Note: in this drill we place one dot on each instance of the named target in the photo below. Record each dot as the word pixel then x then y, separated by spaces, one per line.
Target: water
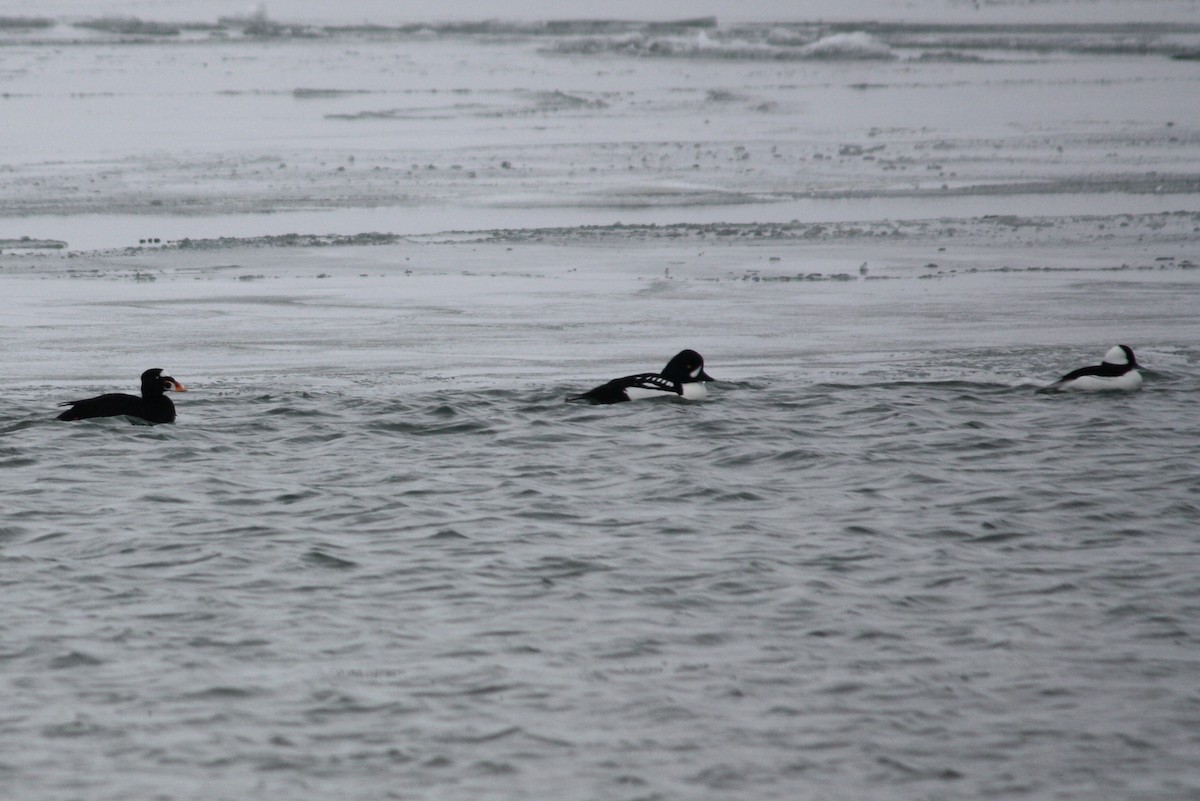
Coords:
pixel 379 557
pixel 114 231
pixel 897 588
pixel 386 558
pixel 419 131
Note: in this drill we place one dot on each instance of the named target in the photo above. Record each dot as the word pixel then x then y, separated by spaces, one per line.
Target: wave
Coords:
pixel 699 37
pixel 848 46
pixel 768 44
pixel 25 23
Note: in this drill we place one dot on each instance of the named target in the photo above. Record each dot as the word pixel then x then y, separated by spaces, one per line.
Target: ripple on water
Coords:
pixel 905 582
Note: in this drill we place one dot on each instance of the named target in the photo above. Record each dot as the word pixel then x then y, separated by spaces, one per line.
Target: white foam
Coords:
pixel 849 46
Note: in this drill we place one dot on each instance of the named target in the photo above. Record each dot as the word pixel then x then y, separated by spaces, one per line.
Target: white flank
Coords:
pixel 1096 383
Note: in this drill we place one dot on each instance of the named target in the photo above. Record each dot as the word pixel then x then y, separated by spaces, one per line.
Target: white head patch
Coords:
pixel 1115 355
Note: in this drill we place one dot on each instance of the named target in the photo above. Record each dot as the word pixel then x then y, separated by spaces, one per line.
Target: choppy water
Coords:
pixel 378 556
pixel 884 589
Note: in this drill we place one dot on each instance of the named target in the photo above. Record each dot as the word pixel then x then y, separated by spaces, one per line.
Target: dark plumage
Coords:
pixel 152 407
pixel 682 377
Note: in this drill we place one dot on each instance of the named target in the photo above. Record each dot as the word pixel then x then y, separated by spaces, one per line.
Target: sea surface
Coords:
pixel 378 556
pixel 899 588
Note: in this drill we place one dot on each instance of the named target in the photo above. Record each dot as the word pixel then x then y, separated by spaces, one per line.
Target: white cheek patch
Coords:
pixel 1115 356
pixel 695 372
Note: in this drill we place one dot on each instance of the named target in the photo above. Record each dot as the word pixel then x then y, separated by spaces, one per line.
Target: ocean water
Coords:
pixel 898 588
pixel 378 556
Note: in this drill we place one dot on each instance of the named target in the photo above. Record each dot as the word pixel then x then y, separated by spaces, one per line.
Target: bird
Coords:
pixel 683 377
pixel 1118 371
pixel 152 407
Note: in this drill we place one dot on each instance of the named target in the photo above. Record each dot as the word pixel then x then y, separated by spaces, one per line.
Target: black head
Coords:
pixel 155 383
pixel 686 366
